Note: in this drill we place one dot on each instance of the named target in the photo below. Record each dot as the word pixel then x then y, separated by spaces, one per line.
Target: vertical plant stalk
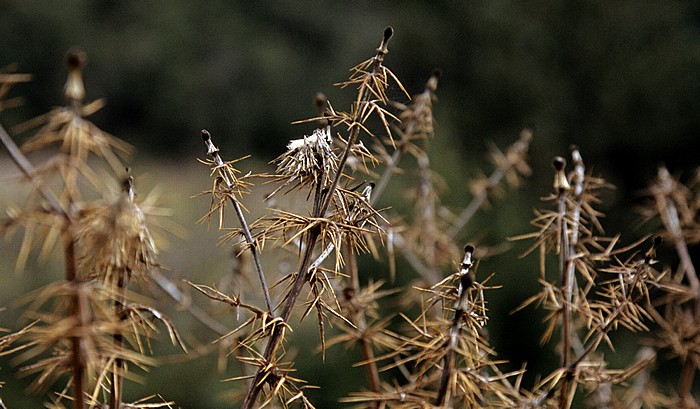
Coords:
pixel 466 281
pixel 76 311
pixel 672 224
pixel 322 200
pixel 213 151
pixel 513 156
pixel 71 271
pixel 561 186
pixel 117 385
pixel 361 324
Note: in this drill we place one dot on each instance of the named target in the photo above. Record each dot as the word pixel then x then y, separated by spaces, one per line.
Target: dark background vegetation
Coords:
pixel 621 79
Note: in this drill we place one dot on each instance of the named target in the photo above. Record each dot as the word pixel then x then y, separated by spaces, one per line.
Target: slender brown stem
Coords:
pixel 516 151
pixel 278 332
pixel 322 199
pixel 361 324
pixel 76 311
pixel 561 186
pixel 567 284
pixel 213 151
pixel 116 388
pixel 466 281
pixel 71 270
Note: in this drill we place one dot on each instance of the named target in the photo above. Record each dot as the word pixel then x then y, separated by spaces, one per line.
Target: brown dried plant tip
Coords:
pixel 75 90
pixel 561 184
pixel 76 58
pixel 559 163
pixel 383 47
pixel 320 101
pixel 432 83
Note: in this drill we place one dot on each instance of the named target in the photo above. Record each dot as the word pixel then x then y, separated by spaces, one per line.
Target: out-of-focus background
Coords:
pixel 620 79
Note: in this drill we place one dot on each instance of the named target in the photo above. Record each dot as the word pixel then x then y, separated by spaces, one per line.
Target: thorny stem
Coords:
pixel 116 388
pixel 608 324
pixel 322 199
pixel 213 151
pixel 672 224
pixel 561 185
pixel 361 324
pixel 76 309
pixel 466 281
pixel 567 260
pixel 515 152
pixel 421 101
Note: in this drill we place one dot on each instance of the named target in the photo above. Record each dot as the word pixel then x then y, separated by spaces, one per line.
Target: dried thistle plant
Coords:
pixel 89 332
pixel 86 329
pixel 598 287
pixel 446 358
pixel 340 217
pixel 676 206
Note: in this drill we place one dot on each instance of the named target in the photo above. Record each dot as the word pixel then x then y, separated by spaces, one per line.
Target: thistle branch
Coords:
pixel 513 156
pixel 561 186
pixel 322 198
pixel 466 281
pixel 71 270
pixel 213 151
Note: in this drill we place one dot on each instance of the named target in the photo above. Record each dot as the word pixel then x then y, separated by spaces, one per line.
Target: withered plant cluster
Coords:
pixel 423 346
pixel 87 331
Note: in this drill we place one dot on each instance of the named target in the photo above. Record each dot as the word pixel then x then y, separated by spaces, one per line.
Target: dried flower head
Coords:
pixel 307 161
pixel 114 240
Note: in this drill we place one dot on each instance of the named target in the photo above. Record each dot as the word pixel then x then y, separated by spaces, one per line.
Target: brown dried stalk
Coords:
pixel 227 175
pixel 509 166
pixel 678 216
pixel 85 334
pixel 623 300
pixel 466 280
pixel 371 78
pixel 77 363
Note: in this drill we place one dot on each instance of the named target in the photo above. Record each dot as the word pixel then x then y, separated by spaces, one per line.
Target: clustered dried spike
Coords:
pixel 87 330
pixel 603 286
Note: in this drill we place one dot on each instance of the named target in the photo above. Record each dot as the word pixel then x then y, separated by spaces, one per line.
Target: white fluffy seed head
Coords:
pixel 319 136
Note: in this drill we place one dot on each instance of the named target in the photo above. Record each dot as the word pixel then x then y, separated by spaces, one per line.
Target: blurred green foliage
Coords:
pixel 621 79
pixel 618 78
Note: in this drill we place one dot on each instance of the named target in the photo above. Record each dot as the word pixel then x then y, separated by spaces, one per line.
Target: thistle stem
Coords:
pixel 71 272
pixel 515 152
pixel 213 151
pixel 672 224
pixel 466 281
pixel 76 311
pixel 322 200
pixel 361 323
